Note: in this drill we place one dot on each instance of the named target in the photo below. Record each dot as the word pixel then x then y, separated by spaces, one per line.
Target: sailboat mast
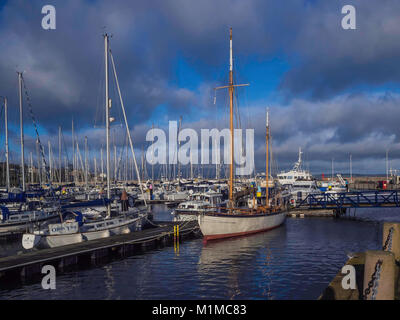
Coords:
pixel 266 164
pixel 107 122
pixel 31 158
pixel 101 164
pixel 152 154
pixel 7 154
pixel 50 167
pixel 21 123
pixel 73 153
pixel 59 154
pixel 231 88
pixel 86 163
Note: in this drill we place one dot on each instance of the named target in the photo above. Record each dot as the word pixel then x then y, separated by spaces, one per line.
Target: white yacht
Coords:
pixel 198 203
pixel 296 174
pixel 75 231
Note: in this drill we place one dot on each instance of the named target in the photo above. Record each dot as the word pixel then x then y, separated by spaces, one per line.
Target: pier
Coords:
pixel 30 264
pixel 362 199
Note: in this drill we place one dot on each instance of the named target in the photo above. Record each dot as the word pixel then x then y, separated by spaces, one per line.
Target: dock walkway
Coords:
pixel 30 263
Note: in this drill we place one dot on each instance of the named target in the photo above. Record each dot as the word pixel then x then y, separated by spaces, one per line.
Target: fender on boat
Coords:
pixel 30 240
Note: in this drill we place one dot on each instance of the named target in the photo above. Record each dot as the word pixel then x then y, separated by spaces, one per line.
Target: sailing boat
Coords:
pixel 78 230
pixel 16 211
pixel 230 221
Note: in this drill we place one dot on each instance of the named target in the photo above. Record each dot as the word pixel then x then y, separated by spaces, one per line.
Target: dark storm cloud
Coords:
pixel 333 59
pixel 364 125
pixel 64 67
pixel 65 76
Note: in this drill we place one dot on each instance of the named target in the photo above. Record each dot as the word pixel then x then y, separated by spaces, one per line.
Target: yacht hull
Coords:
pixel 30 240
pixel 218 226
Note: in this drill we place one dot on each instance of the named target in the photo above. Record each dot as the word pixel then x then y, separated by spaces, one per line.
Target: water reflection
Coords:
pixel 237 256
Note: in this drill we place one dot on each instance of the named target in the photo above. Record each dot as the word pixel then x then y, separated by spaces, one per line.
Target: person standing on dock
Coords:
pixel 124 200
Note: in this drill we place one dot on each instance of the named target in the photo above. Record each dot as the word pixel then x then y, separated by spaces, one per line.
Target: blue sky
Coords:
pixel 330 91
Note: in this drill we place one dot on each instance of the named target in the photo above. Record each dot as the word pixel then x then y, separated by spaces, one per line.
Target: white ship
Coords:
pixel 297 174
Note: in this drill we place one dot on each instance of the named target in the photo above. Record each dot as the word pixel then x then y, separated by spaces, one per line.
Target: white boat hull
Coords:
pixel 30 240
pixel 217 226
pixel 93 235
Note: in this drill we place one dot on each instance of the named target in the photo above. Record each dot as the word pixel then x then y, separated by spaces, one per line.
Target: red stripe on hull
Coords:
pixel 238 234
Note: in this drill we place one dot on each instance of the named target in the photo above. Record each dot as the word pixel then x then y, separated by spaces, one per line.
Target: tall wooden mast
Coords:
pixel 231 88
pixel 266 162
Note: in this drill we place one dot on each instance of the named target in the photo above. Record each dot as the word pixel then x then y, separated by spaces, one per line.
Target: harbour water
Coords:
pixel 296 261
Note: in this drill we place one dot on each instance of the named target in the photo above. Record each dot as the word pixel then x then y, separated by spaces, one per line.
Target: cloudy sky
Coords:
pixel 332 92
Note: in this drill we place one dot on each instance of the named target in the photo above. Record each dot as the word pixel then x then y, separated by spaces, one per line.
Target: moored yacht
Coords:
pixel 199 203
pixel 296 174
pixel 233 221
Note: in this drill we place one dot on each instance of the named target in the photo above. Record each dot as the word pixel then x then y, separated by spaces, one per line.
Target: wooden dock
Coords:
pixel 90 252
pixel 304 213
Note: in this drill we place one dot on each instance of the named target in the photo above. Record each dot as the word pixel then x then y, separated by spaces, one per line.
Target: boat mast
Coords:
pixel 50 167
pixel 231 88
pixel 73 153
pixel 31 158
pixel 152 154
pixel 86 163
pixel 7 154
pixel 21 129
pixel 101 163
pixel 107 123
pixel 59 154
pixel 266 164
pixel 179 147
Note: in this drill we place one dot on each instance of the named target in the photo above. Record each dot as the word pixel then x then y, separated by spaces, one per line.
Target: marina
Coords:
pixel 197 152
